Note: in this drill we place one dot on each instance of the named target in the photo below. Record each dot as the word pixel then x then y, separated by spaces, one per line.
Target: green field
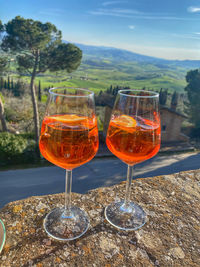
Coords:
pixel 100 74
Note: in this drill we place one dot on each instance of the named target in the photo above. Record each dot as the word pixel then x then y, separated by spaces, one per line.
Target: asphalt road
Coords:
pixel 18 184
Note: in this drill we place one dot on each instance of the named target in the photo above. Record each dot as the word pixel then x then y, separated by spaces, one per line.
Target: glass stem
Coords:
pixel 128 187
pixel 68 185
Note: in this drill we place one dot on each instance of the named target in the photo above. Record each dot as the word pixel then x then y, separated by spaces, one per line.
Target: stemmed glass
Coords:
pixel 69 138
pixel 133 136
pixel 2 235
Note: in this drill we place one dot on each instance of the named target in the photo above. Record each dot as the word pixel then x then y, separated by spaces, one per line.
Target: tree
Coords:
pixel 163 96
pixel 2 117
pixel 1 83
pixel 39 92
pixel 8 83
pixel 193 94
pixel 5 84
pixel 174 100
pixel 12 85
pixel 1 26
pixel 3 66
pixel 39 49
pixel 3 58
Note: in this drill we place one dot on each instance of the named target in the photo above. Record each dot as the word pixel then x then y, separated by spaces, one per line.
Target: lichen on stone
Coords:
pixel 169 238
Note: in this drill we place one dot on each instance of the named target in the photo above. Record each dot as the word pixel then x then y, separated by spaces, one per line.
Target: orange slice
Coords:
pixel 68 118
pixel 125 121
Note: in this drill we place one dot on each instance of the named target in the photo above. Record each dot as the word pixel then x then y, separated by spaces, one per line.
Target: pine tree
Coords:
pixel 38 42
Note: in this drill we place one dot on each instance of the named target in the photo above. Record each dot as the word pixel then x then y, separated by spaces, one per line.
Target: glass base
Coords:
pixel 64 227
pixel 131 218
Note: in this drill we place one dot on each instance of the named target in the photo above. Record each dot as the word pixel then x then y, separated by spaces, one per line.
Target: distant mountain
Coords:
pixel 186 63
pixel 114 53
pixel 117 55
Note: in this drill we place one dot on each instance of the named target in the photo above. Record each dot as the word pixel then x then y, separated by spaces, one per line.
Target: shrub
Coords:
pixel 15 149
pixel 195 133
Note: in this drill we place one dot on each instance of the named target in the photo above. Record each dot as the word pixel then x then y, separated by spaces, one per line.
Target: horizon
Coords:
pixel 162 30
pixel 111 47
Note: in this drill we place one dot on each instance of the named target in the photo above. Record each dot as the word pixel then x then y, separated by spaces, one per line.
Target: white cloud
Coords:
pixel 131 27
pixel 132 13
pixel 108 3
pixel 193 9
pixel 187 36
pixel 126 11
pixel 117 12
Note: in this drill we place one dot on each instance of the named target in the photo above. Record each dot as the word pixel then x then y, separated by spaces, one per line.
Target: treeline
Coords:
pixel 166 98
pixel 173 100
pixel 19 87
pixel 16 87
pixel 113 90
pixel 108 96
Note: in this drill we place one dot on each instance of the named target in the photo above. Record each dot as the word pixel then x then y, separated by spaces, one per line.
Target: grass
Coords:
pixel 98 75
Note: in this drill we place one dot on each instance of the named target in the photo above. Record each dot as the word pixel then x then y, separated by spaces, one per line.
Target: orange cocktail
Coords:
pixel 69 140
pixel 133 136
pixel 133 139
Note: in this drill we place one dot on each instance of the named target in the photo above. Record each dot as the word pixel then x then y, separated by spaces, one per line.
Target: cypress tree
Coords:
pixel 5 84
pixel 39 92
pixel 16 89
pixel 8 83
pixel 174 100
pixel 12 85
pixel 1 83
pixel 163 96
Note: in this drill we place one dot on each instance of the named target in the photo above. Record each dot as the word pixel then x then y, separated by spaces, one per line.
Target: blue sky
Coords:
pixel 167 29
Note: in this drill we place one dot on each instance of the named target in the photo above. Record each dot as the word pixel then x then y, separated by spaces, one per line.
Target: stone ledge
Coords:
pixel 169 238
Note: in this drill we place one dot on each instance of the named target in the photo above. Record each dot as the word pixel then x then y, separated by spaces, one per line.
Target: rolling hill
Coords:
pixel 115 54
pixel 104 66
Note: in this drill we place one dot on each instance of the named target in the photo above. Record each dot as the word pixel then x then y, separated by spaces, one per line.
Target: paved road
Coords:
pixel 17 184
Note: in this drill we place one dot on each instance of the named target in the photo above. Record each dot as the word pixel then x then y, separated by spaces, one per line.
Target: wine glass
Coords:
pixel 69 138
pixel 2 235
pixel 133 136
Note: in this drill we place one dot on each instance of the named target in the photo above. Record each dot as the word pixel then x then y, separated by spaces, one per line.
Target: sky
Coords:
pixel 166 29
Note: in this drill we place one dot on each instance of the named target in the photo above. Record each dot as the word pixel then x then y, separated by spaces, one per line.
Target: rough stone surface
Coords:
pixel 169 238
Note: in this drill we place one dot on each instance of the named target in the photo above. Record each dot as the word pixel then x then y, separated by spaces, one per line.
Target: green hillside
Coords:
pixel 100 74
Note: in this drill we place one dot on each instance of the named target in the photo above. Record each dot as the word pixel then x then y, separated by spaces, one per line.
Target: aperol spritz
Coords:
pixel 133 136
pixel 69 138
pixel 133 139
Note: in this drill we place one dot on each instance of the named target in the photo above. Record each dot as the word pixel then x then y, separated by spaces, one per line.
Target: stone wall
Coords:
pixel 173 123
pixel 169 238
